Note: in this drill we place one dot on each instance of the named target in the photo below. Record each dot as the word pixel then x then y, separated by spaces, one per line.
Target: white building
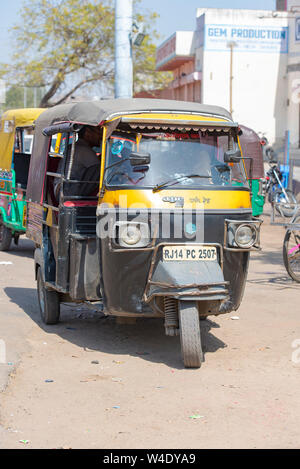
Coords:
pixel 247 61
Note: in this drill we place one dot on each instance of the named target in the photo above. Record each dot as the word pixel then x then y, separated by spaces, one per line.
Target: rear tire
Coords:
pixel 49 303
pixel 190 334
pixel 5 236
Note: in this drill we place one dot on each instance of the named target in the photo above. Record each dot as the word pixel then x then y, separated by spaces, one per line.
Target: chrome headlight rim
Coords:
pixel 130 234
pixel 253 239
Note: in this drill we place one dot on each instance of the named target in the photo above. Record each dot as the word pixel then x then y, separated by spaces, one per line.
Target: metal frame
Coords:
pixel 255 247
pixel 277 223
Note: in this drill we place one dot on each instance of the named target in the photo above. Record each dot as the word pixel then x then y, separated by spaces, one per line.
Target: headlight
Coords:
pixel 245 236
pixel 131 234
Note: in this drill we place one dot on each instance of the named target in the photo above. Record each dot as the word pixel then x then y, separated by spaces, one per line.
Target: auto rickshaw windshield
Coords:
pixel 188 160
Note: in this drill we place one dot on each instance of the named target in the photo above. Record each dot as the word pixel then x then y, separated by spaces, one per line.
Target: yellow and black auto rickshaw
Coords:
pixel 168 231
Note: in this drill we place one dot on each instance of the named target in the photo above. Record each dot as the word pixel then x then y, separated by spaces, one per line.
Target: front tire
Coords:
pixel 49 303
pixel 5 236
pixel 190 334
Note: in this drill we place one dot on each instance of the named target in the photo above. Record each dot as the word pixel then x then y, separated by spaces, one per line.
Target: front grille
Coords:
pixel 85 221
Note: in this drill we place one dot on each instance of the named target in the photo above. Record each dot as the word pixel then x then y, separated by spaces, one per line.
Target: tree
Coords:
pixel 67 44
pixel 15 97
pixel 144 57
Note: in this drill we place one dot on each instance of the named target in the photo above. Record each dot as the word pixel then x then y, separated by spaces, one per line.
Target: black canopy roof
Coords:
pixel 94 113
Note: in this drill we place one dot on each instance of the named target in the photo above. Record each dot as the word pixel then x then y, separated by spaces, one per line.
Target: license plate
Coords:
pixel 190 253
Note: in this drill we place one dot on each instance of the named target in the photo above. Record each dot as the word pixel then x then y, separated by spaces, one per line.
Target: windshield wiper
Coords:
pixel 172 182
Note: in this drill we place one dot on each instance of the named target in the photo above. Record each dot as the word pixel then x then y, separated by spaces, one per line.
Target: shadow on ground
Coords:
pixel 283 281
pixel 93 331
pixel 25 248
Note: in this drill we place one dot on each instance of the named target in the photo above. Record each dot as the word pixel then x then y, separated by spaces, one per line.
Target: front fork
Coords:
pixel 281 186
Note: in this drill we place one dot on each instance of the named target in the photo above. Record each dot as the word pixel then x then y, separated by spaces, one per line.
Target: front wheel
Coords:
pixel 291 252
pixel 5 236
pixel 48 301
pixel 190 334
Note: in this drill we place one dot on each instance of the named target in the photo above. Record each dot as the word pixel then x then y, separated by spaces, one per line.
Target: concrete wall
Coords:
pixel 293 76
pixel 259 86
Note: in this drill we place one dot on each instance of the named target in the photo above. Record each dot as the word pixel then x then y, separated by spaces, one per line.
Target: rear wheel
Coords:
pixel 190 334
pixel 48 301
pixel 5 236
pixel 291 252
pixel 288 203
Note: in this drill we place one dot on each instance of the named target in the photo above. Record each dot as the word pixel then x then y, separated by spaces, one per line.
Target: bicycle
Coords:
pixel 291 249
pixel 283 199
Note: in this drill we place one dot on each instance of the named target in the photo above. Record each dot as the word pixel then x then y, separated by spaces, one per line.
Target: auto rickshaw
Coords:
pixel 168 232
pixel 16 134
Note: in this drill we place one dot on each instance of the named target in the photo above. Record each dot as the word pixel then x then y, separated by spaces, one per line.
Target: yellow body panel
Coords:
pixel 193 199
pixel 166 117
pixel 10 120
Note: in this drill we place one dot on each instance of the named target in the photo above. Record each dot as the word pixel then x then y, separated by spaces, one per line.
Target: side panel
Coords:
pixel 34 229
pixel 258 201
pixel 84 270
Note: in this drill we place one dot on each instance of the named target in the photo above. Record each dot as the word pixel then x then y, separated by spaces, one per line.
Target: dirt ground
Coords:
pixel 91 383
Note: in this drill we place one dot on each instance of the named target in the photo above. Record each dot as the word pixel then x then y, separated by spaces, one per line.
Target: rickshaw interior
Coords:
pixel 178 159
pixel 21 155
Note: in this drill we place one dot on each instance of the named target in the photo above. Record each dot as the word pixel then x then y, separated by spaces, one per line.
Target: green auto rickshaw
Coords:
pixel 16 141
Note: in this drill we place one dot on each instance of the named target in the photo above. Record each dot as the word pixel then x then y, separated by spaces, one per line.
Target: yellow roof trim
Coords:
pixel 22 117
pixel 10 120
pixel 168 117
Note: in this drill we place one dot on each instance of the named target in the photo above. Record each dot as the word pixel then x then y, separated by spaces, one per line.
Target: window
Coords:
pixel 189 160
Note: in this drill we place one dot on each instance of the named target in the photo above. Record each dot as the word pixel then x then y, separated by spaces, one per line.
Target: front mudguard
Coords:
pixel 200 281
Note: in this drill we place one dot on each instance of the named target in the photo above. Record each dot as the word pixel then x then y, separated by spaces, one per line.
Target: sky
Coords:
pixel 174 15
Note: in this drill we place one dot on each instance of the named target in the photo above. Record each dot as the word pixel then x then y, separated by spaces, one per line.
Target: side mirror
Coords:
pixel 139 159
pixel 232 156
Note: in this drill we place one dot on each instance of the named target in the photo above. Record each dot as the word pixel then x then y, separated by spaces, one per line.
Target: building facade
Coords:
pixel 247 61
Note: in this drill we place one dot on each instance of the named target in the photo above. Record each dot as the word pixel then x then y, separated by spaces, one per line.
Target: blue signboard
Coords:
pixel 247 38
pixel 297 29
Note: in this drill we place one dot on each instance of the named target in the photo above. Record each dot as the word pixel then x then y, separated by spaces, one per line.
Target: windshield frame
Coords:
pixel 244 183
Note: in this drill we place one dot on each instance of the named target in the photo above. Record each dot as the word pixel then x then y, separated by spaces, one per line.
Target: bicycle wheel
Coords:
pixel 291 251
pixel 288 203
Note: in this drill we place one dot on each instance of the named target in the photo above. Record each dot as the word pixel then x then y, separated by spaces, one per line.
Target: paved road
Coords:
pixel 138 394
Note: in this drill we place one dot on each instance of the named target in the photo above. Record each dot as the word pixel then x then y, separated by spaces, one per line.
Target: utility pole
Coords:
pixel 231 45
pixel 123 49
pixel 25 97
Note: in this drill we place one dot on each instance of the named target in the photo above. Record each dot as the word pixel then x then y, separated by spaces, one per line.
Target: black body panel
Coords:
pixel 125 274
